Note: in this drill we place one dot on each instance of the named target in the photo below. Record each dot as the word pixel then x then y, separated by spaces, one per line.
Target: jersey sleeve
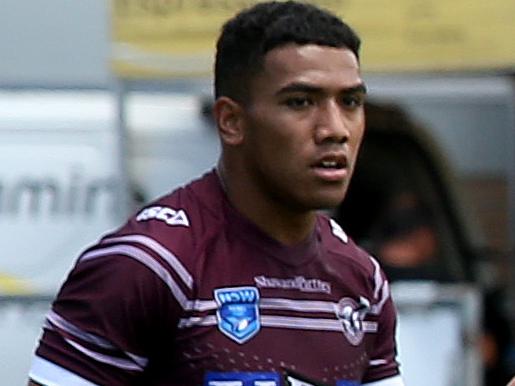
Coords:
pixel 118 307
pixel 383 369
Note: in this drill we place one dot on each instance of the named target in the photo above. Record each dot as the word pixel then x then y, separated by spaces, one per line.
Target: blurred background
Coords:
pixel 105 105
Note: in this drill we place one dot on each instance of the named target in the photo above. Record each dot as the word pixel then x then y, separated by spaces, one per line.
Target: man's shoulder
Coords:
pixel 342 246
pixel 178 221
pixel 163 241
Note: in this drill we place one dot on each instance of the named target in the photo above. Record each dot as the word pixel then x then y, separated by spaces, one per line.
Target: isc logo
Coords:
pixel 163 213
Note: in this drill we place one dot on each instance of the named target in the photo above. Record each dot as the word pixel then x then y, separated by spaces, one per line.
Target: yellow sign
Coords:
pixel 171 38
pixel 10 285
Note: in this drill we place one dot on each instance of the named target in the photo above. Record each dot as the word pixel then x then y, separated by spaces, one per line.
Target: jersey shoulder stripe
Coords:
pixel 144 258
pixel 177 227
pixel 155 246
pixel 340 244
pixel 95 347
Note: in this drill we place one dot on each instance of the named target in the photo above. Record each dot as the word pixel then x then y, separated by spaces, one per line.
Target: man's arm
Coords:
pixel 78 347
pixel 383 369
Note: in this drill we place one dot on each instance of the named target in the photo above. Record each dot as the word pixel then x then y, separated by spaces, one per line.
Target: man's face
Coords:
pixel 303 125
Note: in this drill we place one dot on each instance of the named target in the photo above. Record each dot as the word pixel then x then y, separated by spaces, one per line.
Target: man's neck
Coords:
pixel 284 224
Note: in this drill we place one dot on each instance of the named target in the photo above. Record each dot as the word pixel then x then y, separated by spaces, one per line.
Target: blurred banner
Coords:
pixel 176 38
pixel 59 184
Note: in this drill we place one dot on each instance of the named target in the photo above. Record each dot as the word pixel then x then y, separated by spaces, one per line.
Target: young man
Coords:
pixel 236 279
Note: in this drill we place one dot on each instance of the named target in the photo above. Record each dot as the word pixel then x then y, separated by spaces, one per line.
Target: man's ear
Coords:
pixel 228 118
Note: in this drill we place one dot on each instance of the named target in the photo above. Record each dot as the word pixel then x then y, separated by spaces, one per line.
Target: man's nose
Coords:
pixel 331 124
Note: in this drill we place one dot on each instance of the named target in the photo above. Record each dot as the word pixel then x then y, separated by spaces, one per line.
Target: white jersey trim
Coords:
pixel 63 324
pixel 137 363
pixel 200 305
pixel 304 306
pixel 338 231
pixel 144 258
pixel 198 321
pixel 301 323
pixel 376 309
pixel 378 362
pixel 378 280
pixel 310 323
pixel 49 374
pixel 297 305
pixel 103 358
pixel 272 321
pixel 393 381
pixel 289 322
pixel 168 256
pixel 271 304
pixel 381 288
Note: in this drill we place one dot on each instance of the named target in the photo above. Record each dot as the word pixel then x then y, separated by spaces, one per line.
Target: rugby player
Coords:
pixel 238 278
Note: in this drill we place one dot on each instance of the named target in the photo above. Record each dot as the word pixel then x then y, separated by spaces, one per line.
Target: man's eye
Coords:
pixel 298 102
pixel 353 101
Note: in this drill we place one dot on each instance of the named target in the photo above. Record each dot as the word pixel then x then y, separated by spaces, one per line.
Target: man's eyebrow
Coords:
pixel 359 89
pixel 299 87
pixel 308 88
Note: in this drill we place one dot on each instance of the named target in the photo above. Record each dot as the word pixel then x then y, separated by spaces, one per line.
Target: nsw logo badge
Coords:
pixel 238 312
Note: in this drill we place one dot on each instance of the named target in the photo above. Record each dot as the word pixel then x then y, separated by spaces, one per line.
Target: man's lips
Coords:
pixel 331 167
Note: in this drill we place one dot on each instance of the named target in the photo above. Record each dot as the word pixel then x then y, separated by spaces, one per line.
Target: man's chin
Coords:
pixel 328 203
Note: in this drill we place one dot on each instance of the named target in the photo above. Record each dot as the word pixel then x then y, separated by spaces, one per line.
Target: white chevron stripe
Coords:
pixel 378 280
pixel 200 305
pixel 301 323
pixel 144 258
pixel 378 362
pixel 377 308
pixel 272 304
pixel 197 322
pixel 110 360
pixel 58 321
pixel 297 305
pixel 306 306
pixel 166 254
pixel 287 322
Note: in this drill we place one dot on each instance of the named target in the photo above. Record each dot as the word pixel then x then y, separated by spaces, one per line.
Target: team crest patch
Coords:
pixel 238 312
pixel 352 315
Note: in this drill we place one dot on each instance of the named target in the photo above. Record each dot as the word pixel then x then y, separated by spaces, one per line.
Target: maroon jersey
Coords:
pixel 189 292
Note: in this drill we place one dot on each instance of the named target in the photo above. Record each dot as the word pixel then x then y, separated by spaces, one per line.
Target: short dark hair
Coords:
pixel 248 36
